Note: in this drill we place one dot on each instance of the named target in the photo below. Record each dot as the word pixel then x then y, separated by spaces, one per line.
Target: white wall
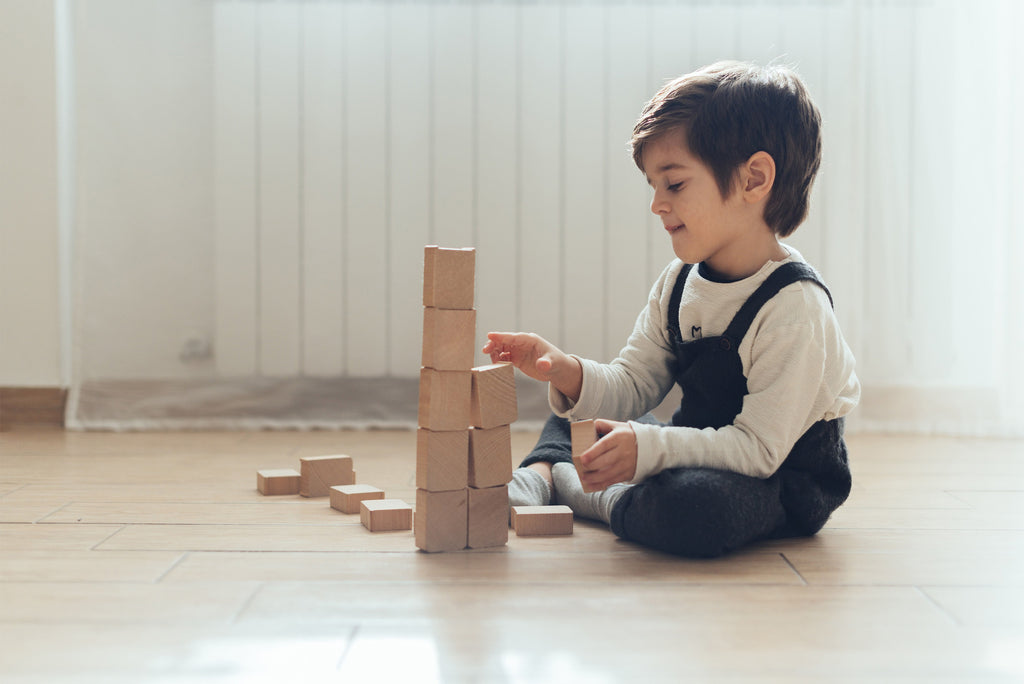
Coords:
pixel 30 347
pixel 144 163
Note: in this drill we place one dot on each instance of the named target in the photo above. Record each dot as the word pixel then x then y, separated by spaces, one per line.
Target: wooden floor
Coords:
pixel 151 558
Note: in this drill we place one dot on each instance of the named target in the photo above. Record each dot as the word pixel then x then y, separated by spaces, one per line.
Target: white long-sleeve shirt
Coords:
pixel 798 367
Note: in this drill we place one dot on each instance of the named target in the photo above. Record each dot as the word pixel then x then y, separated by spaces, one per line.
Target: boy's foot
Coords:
pixel 595 505
pixel 531 486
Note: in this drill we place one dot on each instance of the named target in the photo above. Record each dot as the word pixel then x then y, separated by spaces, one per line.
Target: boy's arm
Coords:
pixel 639 378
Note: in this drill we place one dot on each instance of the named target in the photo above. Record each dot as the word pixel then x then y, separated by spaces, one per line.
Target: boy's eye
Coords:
pixel 675 187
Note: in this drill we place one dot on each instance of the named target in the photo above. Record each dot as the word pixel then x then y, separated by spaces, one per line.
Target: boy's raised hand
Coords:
pixel 537 358
pixel 612 458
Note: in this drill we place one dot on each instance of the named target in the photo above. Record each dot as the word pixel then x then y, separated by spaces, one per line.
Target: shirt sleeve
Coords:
pixel 639 378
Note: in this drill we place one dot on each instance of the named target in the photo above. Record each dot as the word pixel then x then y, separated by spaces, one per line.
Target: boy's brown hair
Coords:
pixel 730 110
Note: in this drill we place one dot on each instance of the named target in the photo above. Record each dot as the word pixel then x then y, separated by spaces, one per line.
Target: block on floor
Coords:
pixel 441 520
pixel 449 338
pixel 449 277
pixel 320 473
pixel 385 515
pixel 488 517
pixel 346 498
pixel 490 456
pixel 444 399
pixel 442 460
pixel 584 435
pixel 494 395
pixel 532 521
pixel 277 481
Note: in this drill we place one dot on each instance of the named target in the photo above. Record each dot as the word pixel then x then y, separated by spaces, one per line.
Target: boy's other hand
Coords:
pixel 612 458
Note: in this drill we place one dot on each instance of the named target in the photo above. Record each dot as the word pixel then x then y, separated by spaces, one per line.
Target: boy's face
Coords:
pixel 701 224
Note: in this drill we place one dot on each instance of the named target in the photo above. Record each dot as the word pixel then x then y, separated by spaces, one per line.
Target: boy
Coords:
pixel 739 320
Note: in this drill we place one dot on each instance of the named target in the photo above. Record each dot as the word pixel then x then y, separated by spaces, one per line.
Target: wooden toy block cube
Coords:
pixel 277 481
pixel 346 498
pixel 442 460
pixel 320 473
pixel 444 399
pixel 441 522
pixel 490 456
pixel 533 521
pixel 449 338
pixel 448 277
pixel 488 517
pixel 385 515
pixel 494 395
pixel 584 435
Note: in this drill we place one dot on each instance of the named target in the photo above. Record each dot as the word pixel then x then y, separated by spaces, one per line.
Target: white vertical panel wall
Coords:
pixel 350 134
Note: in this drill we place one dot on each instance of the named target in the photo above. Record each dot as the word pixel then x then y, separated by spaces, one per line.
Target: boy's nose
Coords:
pixel 658 206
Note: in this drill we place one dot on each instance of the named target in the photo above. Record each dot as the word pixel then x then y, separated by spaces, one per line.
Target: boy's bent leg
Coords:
pixel 699 512
pixel 554 445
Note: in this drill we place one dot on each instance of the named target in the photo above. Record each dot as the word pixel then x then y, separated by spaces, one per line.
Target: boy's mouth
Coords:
pixel 672 229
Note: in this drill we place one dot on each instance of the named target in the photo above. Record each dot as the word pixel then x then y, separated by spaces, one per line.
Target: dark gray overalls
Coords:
pixel 703 512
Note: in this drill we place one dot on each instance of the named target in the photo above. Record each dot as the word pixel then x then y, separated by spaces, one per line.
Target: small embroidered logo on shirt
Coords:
pixel 695 332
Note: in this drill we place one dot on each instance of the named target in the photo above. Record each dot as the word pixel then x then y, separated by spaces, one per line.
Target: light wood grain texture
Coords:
pixel 278 481
pixel 441 520
pixel 449 277
pixel 449 338
pixel 320 473
pixel 442 459
pixel 541 520
pixel 490 456
pixel 584 435
pixel 385 515
pixel 494 395
pixel 142 577
pixel 488 517
pixel 346 498
pixel 444 399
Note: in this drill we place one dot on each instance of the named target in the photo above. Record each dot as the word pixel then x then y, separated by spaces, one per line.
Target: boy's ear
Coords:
pixel 758 176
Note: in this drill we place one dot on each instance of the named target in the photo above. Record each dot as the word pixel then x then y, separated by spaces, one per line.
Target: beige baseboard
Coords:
pixel 32 407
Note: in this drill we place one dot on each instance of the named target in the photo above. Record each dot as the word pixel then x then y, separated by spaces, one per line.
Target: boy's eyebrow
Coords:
pixel 671 166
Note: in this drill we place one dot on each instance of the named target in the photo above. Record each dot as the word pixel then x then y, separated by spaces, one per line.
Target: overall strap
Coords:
pixel 673 304
pixel 784 275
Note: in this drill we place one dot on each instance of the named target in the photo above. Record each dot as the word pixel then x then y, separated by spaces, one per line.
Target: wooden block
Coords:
pixel 494 395
pixel 320 473
pixel 449 338
pixel 346 498
pixel 490 456
pixel 277 481
pixel 532 521
pixel 444 399
pixel 442 460
pixel 584 434
pixel 441 521
pixel 448 277
pixel 385 515
pixel 488 517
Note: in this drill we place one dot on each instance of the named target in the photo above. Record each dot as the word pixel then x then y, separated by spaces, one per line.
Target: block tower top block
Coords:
pixel 448 277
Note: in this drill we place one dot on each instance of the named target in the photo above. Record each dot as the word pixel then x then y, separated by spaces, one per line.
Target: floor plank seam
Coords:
pixel 793 568
pixel 178 561
pixel 97 545
pixel 939 607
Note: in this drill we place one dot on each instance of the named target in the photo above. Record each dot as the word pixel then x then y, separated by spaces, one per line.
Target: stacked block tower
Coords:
pixel 463 444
